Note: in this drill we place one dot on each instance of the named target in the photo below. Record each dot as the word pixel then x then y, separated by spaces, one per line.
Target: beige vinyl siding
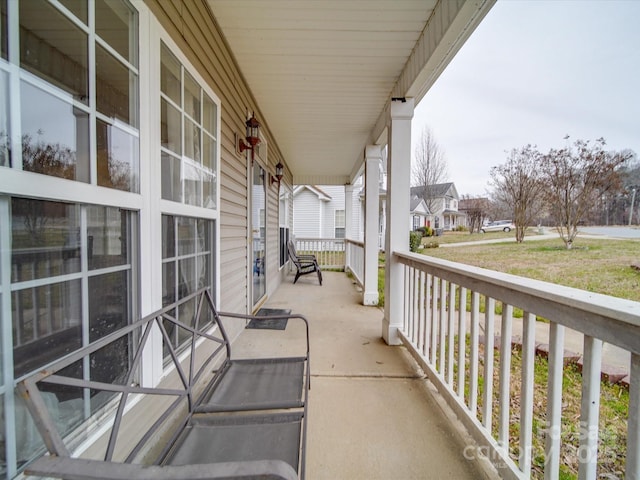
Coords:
pixel 193 29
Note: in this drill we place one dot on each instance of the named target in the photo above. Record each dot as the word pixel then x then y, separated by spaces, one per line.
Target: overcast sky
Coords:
pixel 533 72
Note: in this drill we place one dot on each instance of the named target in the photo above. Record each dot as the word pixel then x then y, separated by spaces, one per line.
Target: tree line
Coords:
pixel 565 186
pixel 580 183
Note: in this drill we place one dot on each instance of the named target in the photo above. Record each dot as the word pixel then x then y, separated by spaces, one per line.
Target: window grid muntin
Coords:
pixel 173 259
pixel 187 162
pixel 19 74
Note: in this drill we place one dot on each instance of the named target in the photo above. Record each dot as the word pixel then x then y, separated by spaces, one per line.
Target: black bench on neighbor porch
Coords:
pixel 226 418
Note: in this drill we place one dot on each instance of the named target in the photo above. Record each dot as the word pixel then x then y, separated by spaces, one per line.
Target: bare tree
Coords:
pixel 477 210
pixel 518 183
pixel 576 176
pixel 429 166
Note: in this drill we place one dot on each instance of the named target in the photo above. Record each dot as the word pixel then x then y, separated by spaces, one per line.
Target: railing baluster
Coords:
pixel 421 316
pixel 416 306
pixel 526 390
pixel 633 423
pixel 406 303
pixel 590 409
pixel 443 325
pixel 452 331
pixel 554 402
pixel 487 394
pixel 505 376
pixel 473 357
pixel 434 319
pixel 462 340
pixel 428 319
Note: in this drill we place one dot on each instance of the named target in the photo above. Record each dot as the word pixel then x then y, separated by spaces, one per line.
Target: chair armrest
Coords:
pixel 81 469
pixel 270 317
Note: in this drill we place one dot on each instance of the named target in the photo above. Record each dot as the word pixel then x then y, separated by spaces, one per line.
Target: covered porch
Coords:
pixel 372 412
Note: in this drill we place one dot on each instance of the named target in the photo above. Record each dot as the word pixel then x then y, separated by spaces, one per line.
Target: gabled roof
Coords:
pixel 313 189
pixel 436 190
pixel 418 203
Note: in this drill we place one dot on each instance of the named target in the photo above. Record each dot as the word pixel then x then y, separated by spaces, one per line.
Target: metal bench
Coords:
pixel 248 421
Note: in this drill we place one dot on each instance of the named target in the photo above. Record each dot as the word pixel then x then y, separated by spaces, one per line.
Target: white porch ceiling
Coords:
pixel 323 71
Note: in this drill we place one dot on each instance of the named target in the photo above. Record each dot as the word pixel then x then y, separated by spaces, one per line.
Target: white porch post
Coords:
pixel 373 157
pixel 348 220
pixel 397 234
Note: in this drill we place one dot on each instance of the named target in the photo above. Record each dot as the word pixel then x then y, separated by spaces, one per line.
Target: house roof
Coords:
pixel 415 201
pixel 313 189
pixel 322 73
pixel 435 190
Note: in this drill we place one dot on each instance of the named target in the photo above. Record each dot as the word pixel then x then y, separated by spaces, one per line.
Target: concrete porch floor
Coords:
pixel 372 415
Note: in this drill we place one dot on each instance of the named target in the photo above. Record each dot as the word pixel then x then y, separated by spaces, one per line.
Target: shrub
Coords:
pixel 415 239
pixel 428 232
pixel 431 244
pixel 461 228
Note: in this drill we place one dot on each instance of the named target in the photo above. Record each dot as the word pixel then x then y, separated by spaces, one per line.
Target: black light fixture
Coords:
pixel 252 136
pixel 279 174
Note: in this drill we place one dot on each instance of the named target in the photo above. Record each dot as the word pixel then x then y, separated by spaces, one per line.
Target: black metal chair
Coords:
pixel 305 264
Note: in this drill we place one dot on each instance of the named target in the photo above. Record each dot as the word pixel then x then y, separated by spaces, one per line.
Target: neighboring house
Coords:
pixel 420 214
pixel 319 212
pixel 442 201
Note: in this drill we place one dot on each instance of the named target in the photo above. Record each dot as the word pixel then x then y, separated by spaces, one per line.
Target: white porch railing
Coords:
pixel 444 338
pixel 330 252
pixel 355 260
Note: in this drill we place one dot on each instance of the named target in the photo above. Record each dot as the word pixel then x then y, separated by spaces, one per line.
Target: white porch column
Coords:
pixel 397 234
pixel 348 220
pixel 373 157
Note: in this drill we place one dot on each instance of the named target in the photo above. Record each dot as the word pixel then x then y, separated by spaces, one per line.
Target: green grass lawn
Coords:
pixel 595 265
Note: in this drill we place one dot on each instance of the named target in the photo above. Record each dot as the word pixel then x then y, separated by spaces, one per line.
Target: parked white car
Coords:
pixel 498 226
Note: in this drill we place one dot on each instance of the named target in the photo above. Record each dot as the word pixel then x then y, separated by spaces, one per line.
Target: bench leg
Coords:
pixel 320 277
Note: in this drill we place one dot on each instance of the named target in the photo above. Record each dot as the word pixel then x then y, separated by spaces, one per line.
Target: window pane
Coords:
pixel 55 136
pixel 209 146
pixel 210 120
pixel 108 312
pixel 4 119
pixel 192 179
pixel 3 39
pixel 45 239
pixel 54 48
pixel 209 192
pixel 168 237
pixel 78 8
pixel 170 77
pixel 169 283
pixel 192 141
pixel 171 184
pixel 46 324
pixel 186 278
pixel 202 239
pixel 170 127
pixel 108 304
pixel 107 237
pixel 186 235
pixel 203 273
pixel 116 88
pixel 118 158
pixel 191 97
pixel 116 23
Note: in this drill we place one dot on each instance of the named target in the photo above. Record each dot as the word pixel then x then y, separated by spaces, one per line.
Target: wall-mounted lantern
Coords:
pixel 279 174
pixel 252 136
